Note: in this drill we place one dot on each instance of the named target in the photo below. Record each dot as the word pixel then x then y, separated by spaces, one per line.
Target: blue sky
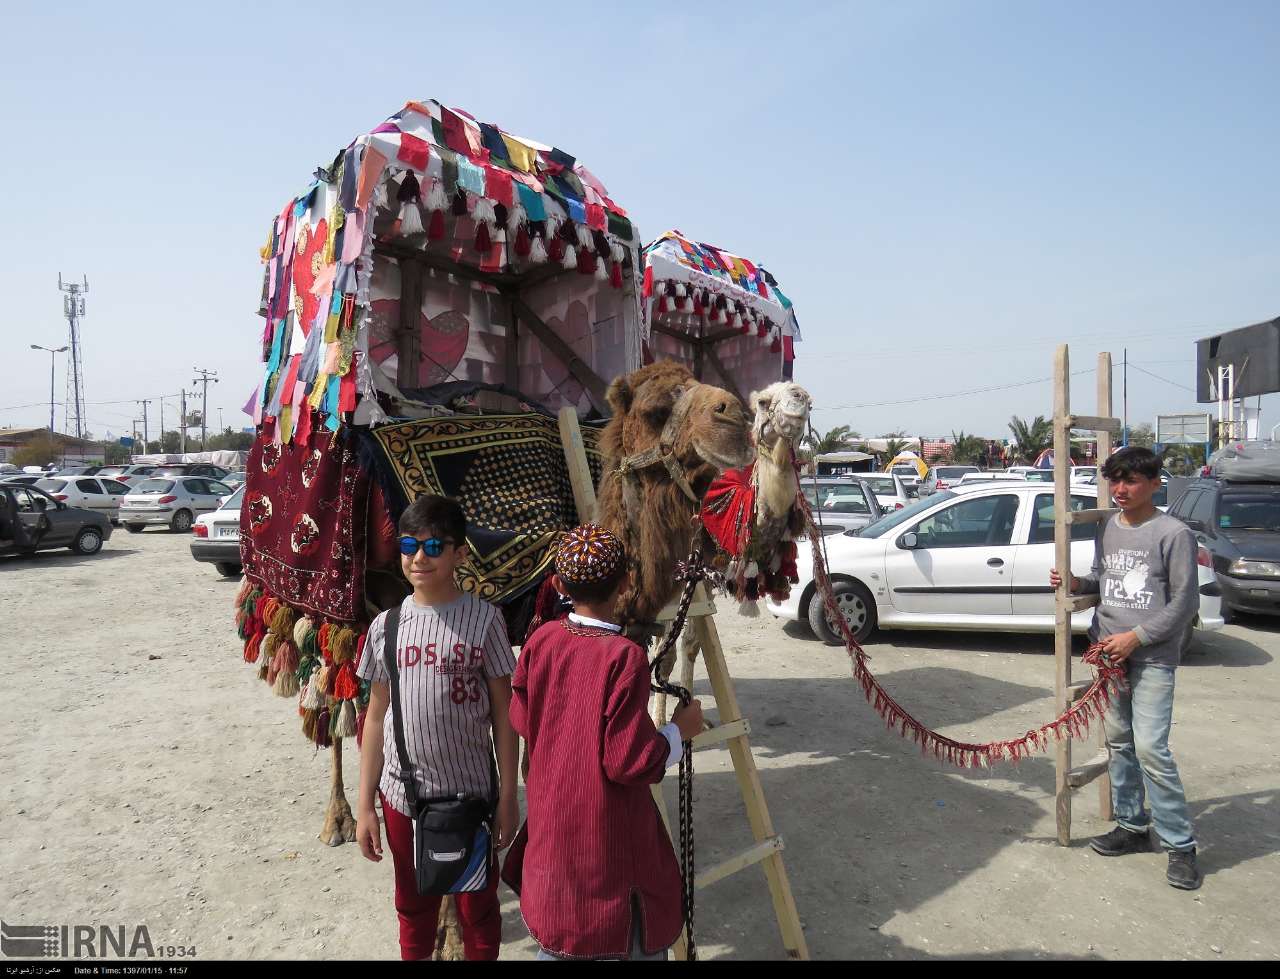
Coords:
pixel 945 189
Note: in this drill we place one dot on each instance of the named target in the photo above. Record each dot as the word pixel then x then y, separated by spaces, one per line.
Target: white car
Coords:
pixel 968 479
pixel 216 536
pixel 973 558
pixel 86 492
pixel 890 489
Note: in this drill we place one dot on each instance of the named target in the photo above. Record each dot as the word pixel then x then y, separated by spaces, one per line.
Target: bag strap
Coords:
pixel 391 629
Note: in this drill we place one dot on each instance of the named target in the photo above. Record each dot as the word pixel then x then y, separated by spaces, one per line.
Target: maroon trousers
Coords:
pixel 478 911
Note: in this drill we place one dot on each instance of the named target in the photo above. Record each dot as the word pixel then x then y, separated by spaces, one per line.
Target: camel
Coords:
pixel 669 437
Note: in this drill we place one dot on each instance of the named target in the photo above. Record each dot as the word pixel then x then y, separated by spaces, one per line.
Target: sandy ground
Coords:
pixel 146 776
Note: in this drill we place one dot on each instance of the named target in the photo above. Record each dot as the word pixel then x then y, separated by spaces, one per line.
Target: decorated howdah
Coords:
pixel 703 302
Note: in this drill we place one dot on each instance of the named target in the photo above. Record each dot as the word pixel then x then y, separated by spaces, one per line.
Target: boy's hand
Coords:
pixel 1121 646
pixel 688 720
pixel 368 837
pixel 1055 580
pixel 506 822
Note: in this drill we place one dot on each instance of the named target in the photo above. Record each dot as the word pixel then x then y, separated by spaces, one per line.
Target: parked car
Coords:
pixel 1084 474
pixel 235 480
pixel 175 503
pixel 968 479
pixel 944 477
pixel 889 488
pixel 1239 525
pixel 77 470
pixel 973 558
pixel 27 479
pixel 31 520
pixel 87 492
pixel 841 503
pixel 129 475
pixel 910 478
pixel 190 469
pixel 217 536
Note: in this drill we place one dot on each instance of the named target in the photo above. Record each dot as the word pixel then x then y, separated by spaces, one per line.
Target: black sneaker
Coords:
pixel 1183 872
pixel 1119 842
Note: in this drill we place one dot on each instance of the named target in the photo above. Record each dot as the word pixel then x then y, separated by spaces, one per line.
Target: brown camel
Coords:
pixel 669 437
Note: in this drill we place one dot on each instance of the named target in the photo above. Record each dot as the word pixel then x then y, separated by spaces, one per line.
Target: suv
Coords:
pixel 1239 525
pixel 944 477
pixel 206 469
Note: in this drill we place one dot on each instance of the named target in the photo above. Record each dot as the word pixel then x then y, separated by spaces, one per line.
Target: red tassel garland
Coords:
pixel 435 231
pixel 522 242
pixel 615 275
pixel 483 242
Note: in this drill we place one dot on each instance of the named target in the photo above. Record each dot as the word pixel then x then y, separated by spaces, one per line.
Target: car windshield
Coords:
pixel 233 501
pixel 881 484
pixel 113 471
pixel 953 472
pixel 837 498
pixel 889 521
pixel 152 486
pixel 1250 511
pixel 170 471
pixel 50 485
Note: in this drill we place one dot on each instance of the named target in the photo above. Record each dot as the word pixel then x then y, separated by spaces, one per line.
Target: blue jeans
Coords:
pixel 1142 767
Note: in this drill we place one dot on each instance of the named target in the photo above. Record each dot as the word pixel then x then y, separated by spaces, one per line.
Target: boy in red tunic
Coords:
pixel 599 878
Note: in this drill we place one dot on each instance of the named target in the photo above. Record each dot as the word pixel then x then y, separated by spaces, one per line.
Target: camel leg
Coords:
pixel 339 825
pixel 449 946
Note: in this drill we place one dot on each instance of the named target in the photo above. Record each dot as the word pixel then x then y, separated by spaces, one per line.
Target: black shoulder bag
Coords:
pixel 452 837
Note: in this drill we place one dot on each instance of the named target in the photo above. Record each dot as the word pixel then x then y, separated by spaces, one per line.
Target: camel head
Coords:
pixel 781 411
pixel 664 406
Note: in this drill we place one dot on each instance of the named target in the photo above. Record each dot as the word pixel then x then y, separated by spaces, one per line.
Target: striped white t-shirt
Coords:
pixel 445 654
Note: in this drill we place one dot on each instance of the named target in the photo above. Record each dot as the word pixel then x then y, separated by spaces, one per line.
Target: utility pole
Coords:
pixel 146 434
pixel 182 420
pixel 204 378
pixel 1125 441
pixel 161 400
pixel 73 308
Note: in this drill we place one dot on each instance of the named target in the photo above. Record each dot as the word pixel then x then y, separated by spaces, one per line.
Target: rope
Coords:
pixel 1072 723
pixel 691 572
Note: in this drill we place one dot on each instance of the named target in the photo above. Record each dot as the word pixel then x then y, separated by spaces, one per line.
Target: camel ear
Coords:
pixel 619 395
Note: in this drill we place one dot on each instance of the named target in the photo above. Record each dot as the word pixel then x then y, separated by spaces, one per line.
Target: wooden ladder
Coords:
pixel 732 730
pixel 1068 778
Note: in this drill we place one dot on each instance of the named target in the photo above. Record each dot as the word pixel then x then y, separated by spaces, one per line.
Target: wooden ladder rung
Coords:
pixel 762 850
pixel 695 609
pixel 1091 423
pixel 1089 516
pixel 1078 690
pixel 722 733
pixel 1084 774
pixel 1081 602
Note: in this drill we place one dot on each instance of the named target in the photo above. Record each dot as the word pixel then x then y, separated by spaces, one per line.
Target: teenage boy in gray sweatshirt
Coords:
pixel 1144 571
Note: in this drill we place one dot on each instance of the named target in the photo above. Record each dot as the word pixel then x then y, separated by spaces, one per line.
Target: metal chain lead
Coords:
pixel 692 571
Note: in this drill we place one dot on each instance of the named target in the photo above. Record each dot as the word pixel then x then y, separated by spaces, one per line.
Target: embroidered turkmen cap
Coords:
pixel 588 553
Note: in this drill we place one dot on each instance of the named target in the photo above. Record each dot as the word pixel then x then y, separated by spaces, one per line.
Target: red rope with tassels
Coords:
pixel 1072 723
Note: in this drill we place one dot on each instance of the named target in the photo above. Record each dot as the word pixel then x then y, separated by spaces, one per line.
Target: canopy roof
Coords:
pixel 704 303
pixel 512 249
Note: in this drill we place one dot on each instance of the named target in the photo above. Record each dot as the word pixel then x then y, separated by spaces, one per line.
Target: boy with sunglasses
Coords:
pixel 455 664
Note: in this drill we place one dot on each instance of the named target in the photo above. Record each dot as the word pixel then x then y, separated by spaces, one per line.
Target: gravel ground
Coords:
pixel 147 777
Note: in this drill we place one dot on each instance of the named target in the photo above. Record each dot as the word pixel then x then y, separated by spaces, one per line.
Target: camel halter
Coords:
pixel 663 452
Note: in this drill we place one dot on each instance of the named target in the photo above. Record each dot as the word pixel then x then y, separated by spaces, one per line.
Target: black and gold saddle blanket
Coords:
pixel 510 475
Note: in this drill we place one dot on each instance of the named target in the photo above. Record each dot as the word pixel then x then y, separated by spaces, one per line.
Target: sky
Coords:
pixel 946 190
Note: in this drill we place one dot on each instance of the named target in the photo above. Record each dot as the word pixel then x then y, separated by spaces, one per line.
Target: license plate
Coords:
pixel 224 532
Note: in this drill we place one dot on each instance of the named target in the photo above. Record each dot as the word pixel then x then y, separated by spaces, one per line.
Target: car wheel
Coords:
pixel 181 521
pixel 227 569
pixel 133 528
pixel 1229 614
pixel 88 541
pixel 858 607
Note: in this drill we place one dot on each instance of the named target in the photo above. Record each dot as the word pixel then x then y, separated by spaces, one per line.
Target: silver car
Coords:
pixel 841 503
pixel 174 502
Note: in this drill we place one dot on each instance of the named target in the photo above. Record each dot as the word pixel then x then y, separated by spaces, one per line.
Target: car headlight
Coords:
pixel 1254 569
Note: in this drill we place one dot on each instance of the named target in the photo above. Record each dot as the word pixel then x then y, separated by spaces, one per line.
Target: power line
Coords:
pixel 943 397
pixel 1159 378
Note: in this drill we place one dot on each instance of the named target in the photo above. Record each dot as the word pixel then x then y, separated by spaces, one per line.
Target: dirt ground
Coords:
pixel 147 777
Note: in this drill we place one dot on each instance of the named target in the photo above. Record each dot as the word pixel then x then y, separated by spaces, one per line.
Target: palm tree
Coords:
pixel 968 449
pixel 894 444
pixel 835 440
pixel 1030 440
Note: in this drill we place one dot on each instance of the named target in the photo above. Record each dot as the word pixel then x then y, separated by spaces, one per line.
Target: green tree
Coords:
pixel 114 454
pixel 170 442
pixel 970 450
pixel 1030 440
pixel 895 442
pixel 836 440
pixel 228 439
pixel 1142 435
pixel 40 451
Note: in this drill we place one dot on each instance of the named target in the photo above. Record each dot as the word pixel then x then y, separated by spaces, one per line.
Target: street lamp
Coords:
pixel 51 352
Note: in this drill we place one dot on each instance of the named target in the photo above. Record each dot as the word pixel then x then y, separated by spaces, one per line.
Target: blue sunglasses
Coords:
pixel 432 546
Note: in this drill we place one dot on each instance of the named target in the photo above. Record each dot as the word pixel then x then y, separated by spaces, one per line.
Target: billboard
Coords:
pixel 1184 429
pixel 1254 351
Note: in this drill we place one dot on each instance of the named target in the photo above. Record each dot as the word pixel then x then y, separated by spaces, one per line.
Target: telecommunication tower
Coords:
pixel 73 308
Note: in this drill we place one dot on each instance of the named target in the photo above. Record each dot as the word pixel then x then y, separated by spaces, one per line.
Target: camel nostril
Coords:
pixel 722 407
